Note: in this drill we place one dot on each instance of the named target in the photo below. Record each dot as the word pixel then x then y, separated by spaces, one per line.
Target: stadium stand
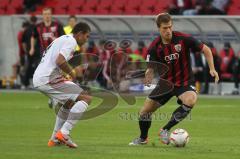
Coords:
pixel 100 7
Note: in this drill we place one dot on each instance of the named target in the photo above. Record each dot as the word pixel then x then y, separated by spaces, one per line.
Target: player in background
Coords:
pixel 47 30
pixel 72 21
pixel 171 48
pixel 48 79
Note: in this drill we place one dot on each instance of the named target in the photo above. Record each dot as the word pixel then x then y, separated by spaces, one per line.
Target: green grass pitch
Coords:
pixel 27 122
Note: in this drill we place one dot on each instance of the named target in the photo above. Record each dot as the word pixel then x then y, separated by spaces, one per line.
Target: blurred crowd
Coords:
pixel 199 7
pixel 104 68
pixel 227 64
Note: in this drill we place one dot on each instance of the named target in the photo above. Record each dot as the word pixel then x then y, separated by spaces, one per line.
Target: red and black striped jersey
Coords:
pixel 176 55
pixel 46 34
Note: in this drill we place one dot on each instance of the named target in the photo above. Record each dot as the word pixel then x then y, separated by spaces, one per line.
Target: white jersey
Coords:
pixel 47 69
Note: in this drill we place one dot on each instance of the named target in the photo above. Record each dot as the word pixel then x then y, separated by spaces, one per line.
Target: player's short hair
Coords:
pixel 163 18
pixel 72 17
pixel 47 8
pixel 81 27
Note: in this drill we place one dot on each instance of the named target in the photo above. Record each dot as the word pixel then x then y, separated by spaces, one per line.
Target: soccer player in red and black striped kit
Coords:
pixel 171 48
pixel 47 30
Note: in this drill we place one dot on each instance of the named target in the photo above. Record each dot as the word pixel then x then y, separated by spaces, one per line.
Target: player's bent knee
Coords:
pixel 68 104
pixel 85 98
pixel 190 101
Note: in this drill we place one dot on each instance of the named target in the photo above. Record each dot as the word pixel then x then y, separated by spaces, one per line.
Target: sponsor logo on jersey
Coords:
pixel 178 47
pixel 171 57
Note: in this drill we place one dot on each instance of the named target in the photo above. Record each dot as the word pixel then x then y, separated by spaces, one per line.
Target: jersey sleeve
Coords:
pixel 194 44
pixel 152 57
pixel 67 49
pixel 152 52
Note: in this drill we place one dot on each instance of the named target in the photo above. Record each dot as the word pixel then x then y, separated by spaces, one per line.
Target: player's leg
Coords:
pixel 188 98
pixel 61 117
pixel 145 113
pixel 76 112
pixel 156 99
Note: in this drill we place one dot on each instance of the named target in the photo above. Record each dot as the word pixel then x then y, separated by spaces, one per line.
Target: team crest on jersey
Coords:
pixel 178 47
pixel 53 29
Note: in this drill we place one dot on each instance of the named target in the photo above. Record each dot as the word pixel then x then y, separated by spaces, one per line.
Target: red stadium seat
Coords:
pixel 105 4
pixel 133 3
pixel 76 3
pixel 91 3
pixel 73 11
pixel 89 7
pixel 132 7
pixel 102 11
pixel 10 10
pixel 63 3
pixel 16 3
pixel 119 4
pixel 161 7
pixel 147 7
pixel 50 4
pixel 234 11
pixel 145 11
pixel 2 11
pixel 4 3
pixel 130 11
pixel 59 10
pixel 149 3
pixel 87 11
pixel 115 10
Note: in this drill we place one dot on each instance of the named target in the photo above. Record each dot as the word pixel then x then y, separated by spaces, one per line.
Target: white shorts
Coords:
pixel 62 92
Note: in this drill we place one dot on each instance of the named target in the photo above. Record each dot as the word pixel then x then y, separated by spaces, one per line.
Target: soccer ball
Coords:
pixel 179 138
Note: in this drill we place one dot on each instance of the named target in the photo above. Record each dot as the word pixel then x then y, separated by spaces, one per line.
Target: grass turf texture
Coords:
pixel 27 122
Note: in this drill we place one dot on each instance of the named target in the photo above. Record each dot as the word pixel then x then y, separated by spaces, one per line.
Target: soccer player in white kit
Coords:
pixel 48 79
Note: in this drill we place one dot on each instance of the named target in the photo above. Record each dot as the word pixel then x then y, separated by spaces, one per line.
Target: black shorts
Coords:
pixel 163 98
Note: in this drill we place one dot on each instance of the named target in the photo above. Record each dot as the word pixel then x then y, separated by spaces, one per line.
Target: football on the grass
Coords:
pixel 179 138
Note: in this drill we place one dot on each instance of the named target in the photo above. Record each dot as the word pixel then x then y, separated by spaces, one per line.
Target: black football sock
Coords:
pixel 178 115
pixel 144 125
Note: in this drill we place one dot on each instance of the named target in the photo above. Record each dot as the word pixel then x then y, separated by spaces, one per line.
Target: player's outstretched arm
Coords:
pixel 209 57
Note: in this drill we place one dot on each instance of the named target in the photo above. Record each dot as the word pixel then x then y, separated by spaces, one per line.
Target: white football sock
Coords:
pixel 74 116
pixel 60 120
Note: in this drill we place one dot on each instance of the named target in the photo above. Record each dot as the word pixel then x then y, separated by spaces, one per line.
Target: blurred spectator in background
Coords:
pixel 30 5
pixel 221 5
pixel 104 57
pixel 227 60
pixel 208 7
pixel 141 49
pixel 47 30
pixel 236 72
pixel 18 67
pixel 198 8
pixel 201 69
pixel 92 48
pixel 72 21
pixel 32 52
pixel 198 64
pixel 178 6
pixel 207 77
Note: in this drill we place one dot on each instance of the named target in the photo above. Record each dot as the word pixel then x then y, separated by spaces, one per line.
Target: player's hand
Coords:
pixel 147 81
pixel 215 75
pixel 72 76
pixel 148 77
pixel 31 51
